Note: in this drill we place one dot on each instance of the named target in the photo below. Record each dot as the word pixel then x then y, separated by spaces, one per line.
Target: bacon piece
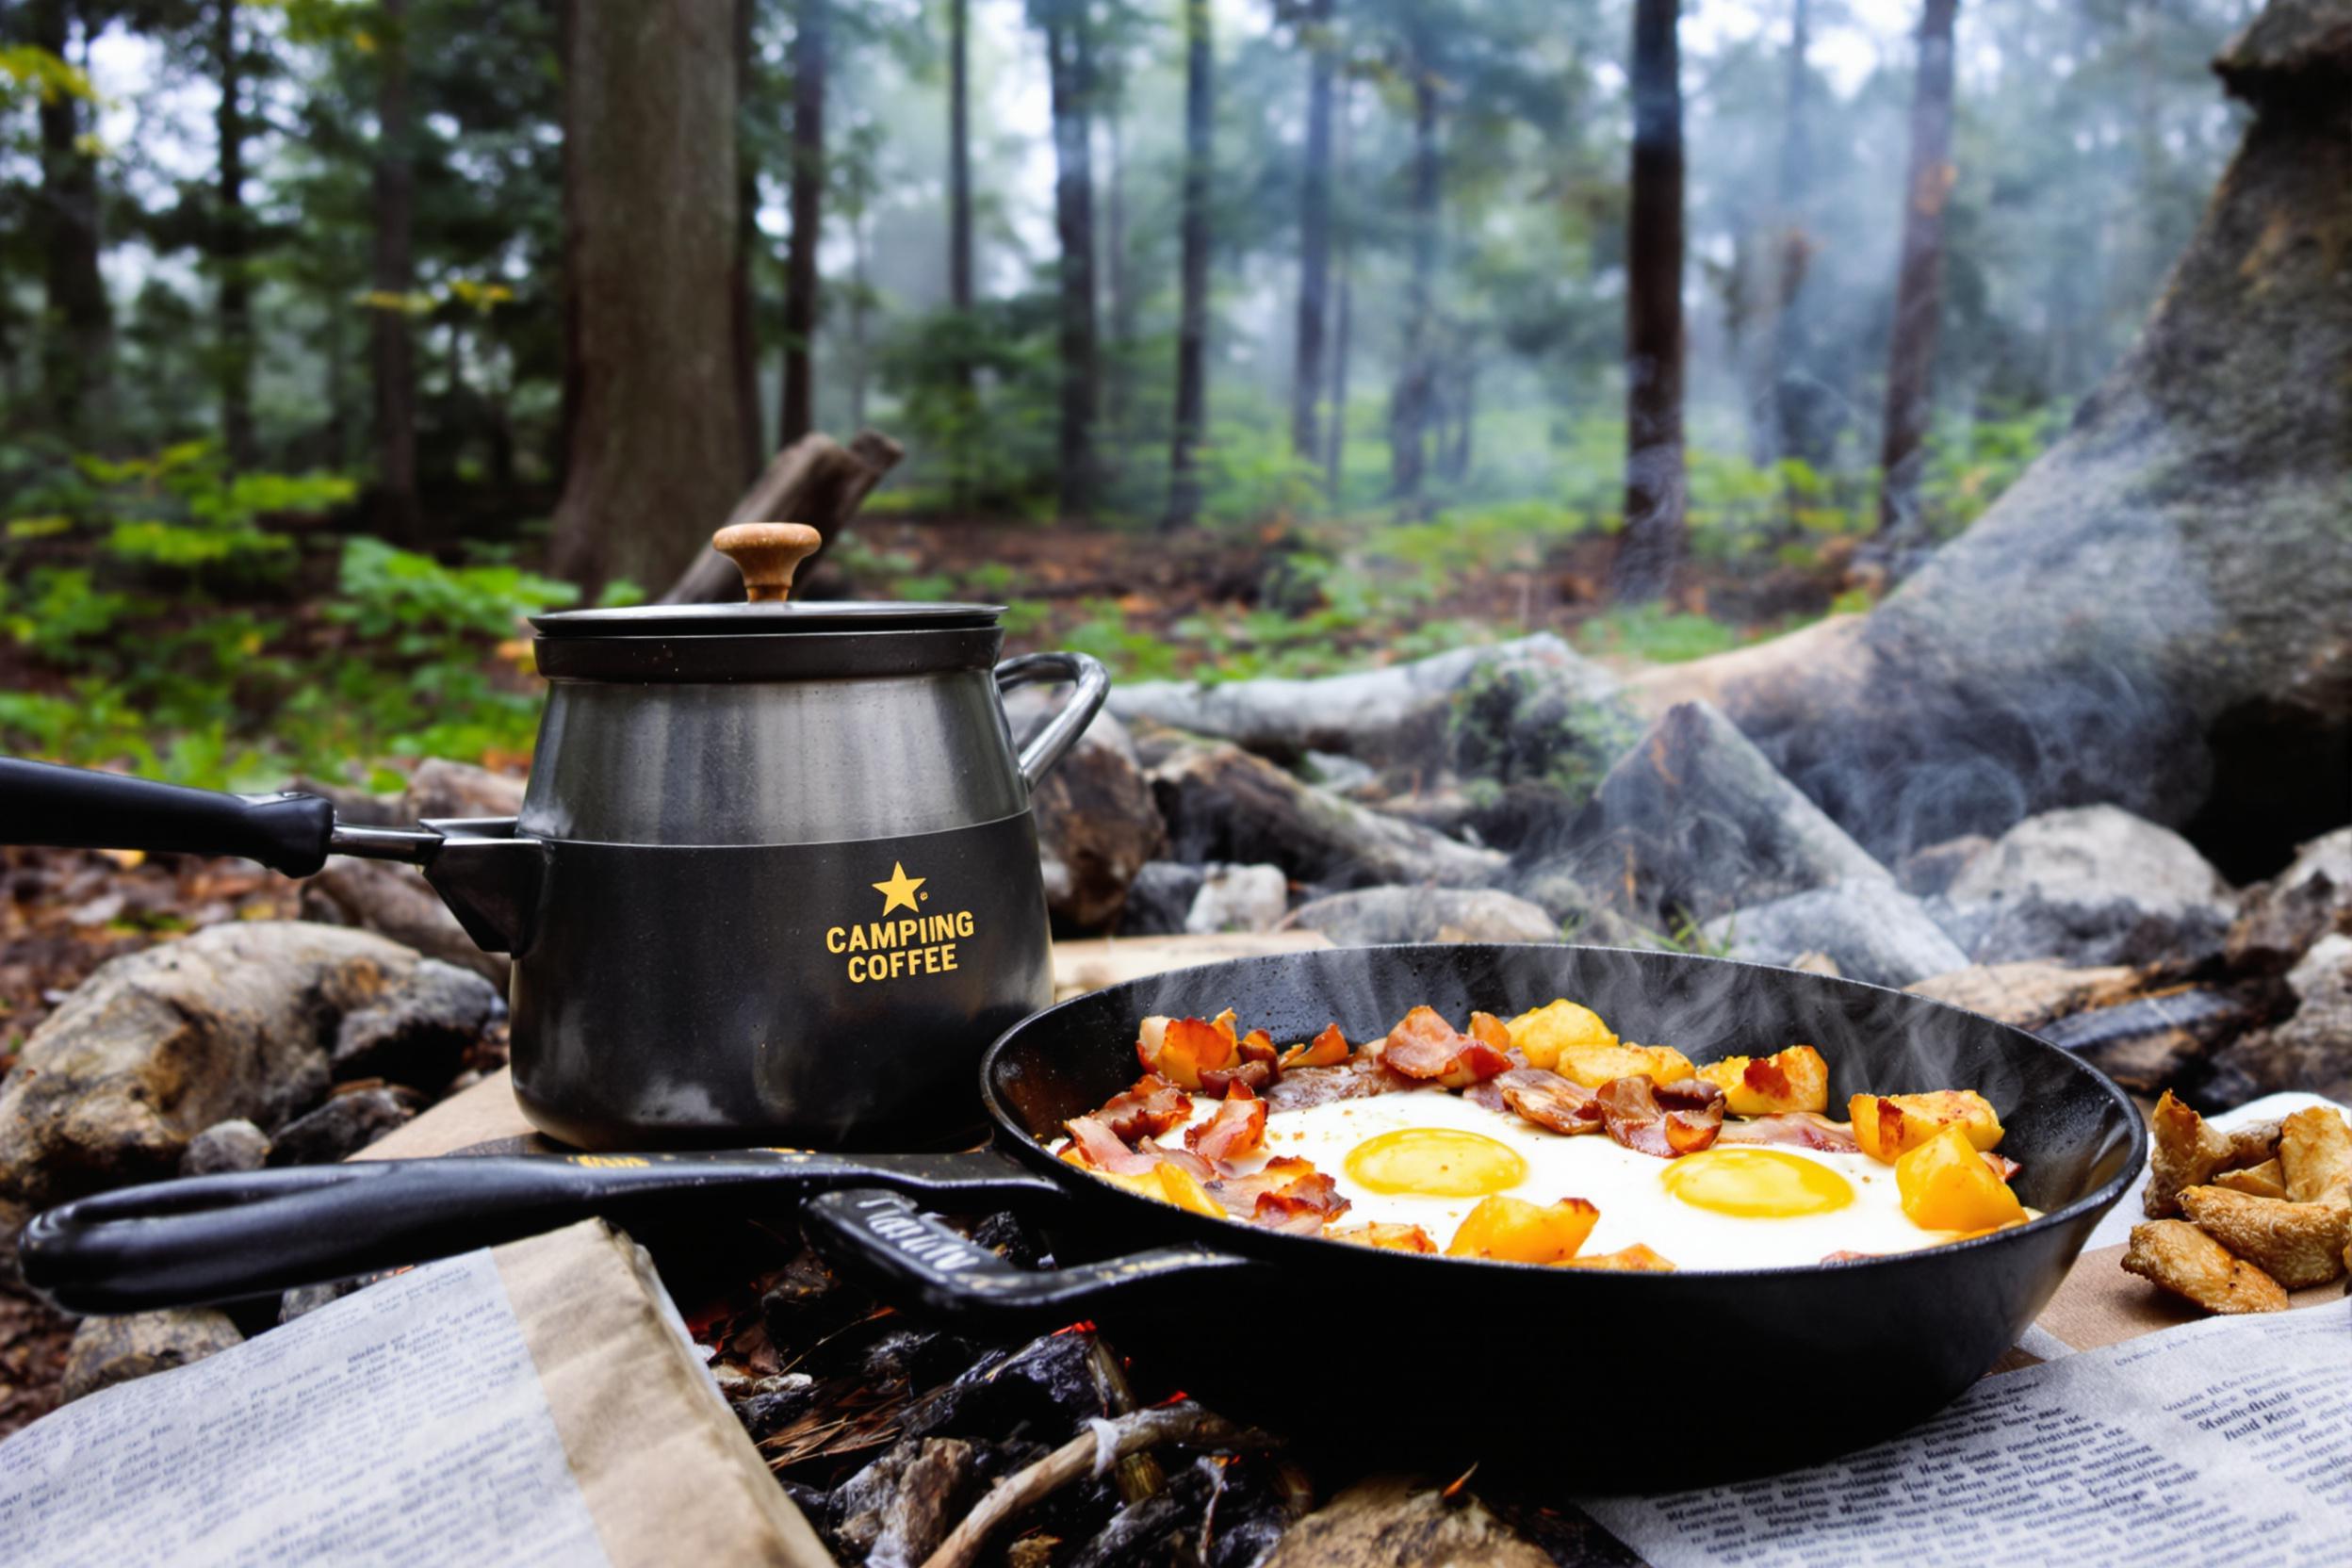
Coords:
pixel 1304 1206
pixel 1238 1194
pixel 1255 1076
pixel 1258 1046
pixel 1548 1099
pixel 1328 1049
pixel 1364 1075
pixel 2003 1167
pixel 1151 1107
pixel 1633 1114
pixel 1487 1096
pixel 1797 1129
pixel 1100 1147
pixel 1237 1131
pixel 1177 1048
pixel 1487 1027
pixel 1424 1045
pixel 1391 1237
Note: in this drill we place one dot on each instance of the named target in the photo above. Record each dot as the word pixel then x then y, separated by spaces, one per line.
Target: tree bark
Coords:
pixel 814 481
pixel 232 245
pixel 1314 230
pixel 742 292
pixel 1653 541
pixel 1920 285
pixel 649 176
pixel 1336 433
pixel 1192 331
pixel 1409 405
pixel 1069 67
pixel 391 345
pixel 77 337
pixel 1795 413
pixel 807 202
pixel 959 153
pixel 1119 384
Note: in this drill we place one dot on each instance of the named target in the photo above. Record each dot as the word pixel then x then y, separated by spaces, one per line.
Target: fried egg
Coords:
pixel 1426 1157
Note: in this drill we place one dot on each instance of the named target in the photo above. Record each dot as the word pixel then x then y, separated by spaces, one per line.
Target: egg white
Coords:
pixel 1628 1187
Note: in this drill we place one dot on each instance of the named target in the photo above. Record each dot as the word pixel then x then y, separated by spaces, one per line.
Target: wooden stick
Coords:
pixel 815 481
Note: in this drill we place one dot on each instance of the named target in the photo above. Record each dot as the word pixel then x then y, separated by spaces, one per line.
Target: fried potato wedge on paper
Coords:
pixel 2184 1260
pixel 2184 1152
pixel 2256 1180
pixel 2295 1244
pixel 2316 1153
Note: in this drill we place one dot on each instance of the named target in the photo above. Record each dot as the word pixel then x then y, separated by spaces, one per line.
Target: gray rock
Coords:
pixel 439 787
pixel 2281 918
pixel 110 1350
pixel 225 1146
pixel 1160 898
pixel 343 1125
pixel 1097 823
pixel 155 1046
pixel 2310 1051
pixel 1239 898
pixel 304 1299
pixel 1375 917
pixel 2089 885
pixel 1870 930
pixel 1584 914
pixel 1339 772
pixel 1400 713
pixel 418 1035
pixel 395 901
pixel 1694 820
pixel 1926 873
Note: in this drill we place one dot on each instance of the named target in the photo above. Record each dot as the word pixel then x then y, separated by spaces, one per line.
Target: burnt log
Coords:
pixel 815 481
pixel 2153 613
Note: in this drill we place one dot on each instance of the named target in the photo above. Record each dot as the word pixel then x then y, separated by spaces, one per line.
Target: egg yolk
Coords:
pixel 1756 1183
pixel 1436 1162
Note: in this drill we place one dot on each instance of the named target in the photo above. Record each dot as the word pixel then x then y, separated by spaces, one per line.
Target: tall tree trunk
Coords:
pixel 1795 412
pixel 742 293
pixel 1314 230
pixel 1116 283
pixel 1336 430
pixel 1920 285
pixel 1192 329
pixel 391 347
pixel 800 260
pixel 1410 405
pixel 232 245
pixel 77 336
pixel 334 436
pixel 1654 537
pixel 1069 67
pixel 860 301
pixel 959 154
pixel 649 177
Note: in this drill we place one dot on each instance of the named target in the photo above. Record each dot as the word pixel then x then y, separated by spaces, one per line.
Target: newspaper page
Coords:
pixel 2222 1441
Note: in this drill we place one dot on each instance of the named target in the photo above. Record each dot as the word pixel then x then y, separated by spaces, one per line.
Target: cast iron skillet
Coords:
pixel 1603 1381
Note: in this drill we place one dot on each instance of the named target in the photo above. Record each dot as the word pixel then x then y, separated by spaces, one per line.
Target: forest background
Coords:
pixel 1225 336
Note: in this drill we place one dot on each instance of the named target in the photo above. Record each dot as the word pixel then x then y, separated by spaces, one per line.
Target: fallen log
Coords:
pixel 2153 614
pixel 815 481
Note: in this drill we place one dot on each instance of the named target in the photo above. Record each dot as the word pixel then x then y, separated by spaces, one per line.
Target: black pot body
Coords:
pixel 1575 1381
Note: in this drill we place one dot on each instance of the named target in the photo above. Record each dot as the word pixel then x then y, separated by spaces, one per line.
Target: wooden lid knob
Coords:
pixel 767 554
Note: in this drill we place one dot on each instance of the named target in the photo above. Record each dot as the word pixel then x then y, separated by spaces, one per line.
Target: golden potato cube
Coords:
pixel 2256 1180
pixel 2316 1153
pixel 1515 1231
pixel 2295 1244
pixel 1183 1189
pixel 1946 1185
pixel 1636 1259
pixel 1542 1032
pixel 1792 1080
pixel 1889 1126
pixel 2184 1260
pixel 1595 1064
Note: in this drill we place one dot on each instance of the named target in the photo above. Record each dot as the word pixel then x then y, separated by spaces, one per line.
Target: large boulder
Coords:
pixel 2279 919
pixel 2310 1051
pixel 110 1350
pixel 238 1020
pixel 1097 823
pixel 1239 898
pixel 2087 886
pixel 1694 821
pixel 1870 929
pixel 1377 917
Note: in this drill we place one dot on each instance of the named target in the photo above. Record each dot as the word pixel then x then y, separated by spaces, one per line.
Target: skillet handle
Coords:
pixel 219 1238
pixel 909 1258
pixel 74 808
pixel 1061 732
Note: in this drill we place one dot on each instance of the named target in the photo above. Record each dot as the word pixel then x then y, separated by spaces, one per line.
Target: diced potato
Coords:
pixel 1395 1238
pixel 1947 1187
pixel 2296 1244
pixel 2316 1153
pixel 1792 1080
pixel 1595 1064
pixel 1183 1189
pixel 1328 1049
pixel 1890 1126
pixel 2184 1260
pixel 2265 1180
pixel 1542 1032
pixel 1636 1259
pixel 1515 1231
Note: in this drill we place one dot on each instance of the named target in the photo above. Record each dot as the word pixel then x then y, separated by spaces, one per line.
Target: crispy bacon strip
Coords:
pixel 1103 1150
pixel 1177 1048
pixel 1237 1131
pixel 1548 1099
pixel 1255 1076
pixel 1151 1107
pixel 1666 1119
pixel 2003 1167
pixel 1258 1046
pixel 1424 1045
pixel 1328 1049
pixel 1798 1129
pixel 1362 1076
pixel 1304 1206
pixel 1238 1194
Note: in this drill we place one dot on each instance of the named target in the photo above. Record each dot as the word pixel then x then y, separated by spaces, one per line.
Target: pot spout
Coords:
pixel 490 878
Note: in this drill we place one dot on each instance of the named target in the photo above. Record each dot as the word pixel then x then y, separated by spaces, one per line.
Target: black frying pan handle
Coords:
pixel 913 1259
pixel 72 808
pixel 217 1238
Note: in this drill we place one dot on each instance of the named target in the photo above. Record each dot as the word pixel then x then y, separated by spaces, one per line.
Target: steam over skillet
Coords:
pixel 1584 1380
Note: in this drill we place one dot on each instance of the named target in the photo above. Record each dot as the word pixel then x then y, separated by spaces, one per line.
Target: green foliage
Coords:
pixel 1971 460
pixel 1659 635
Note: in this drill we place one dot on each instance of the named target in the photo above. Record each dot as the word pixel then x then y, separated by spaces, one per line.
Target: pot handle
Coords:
pixel 74 808
pixel 910 1258
pixel 220 1238
pixel 1061 732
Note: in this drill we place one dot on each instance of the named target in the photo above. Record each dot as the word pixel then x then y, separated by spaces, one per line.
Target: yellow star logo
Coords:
pixel 899 891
